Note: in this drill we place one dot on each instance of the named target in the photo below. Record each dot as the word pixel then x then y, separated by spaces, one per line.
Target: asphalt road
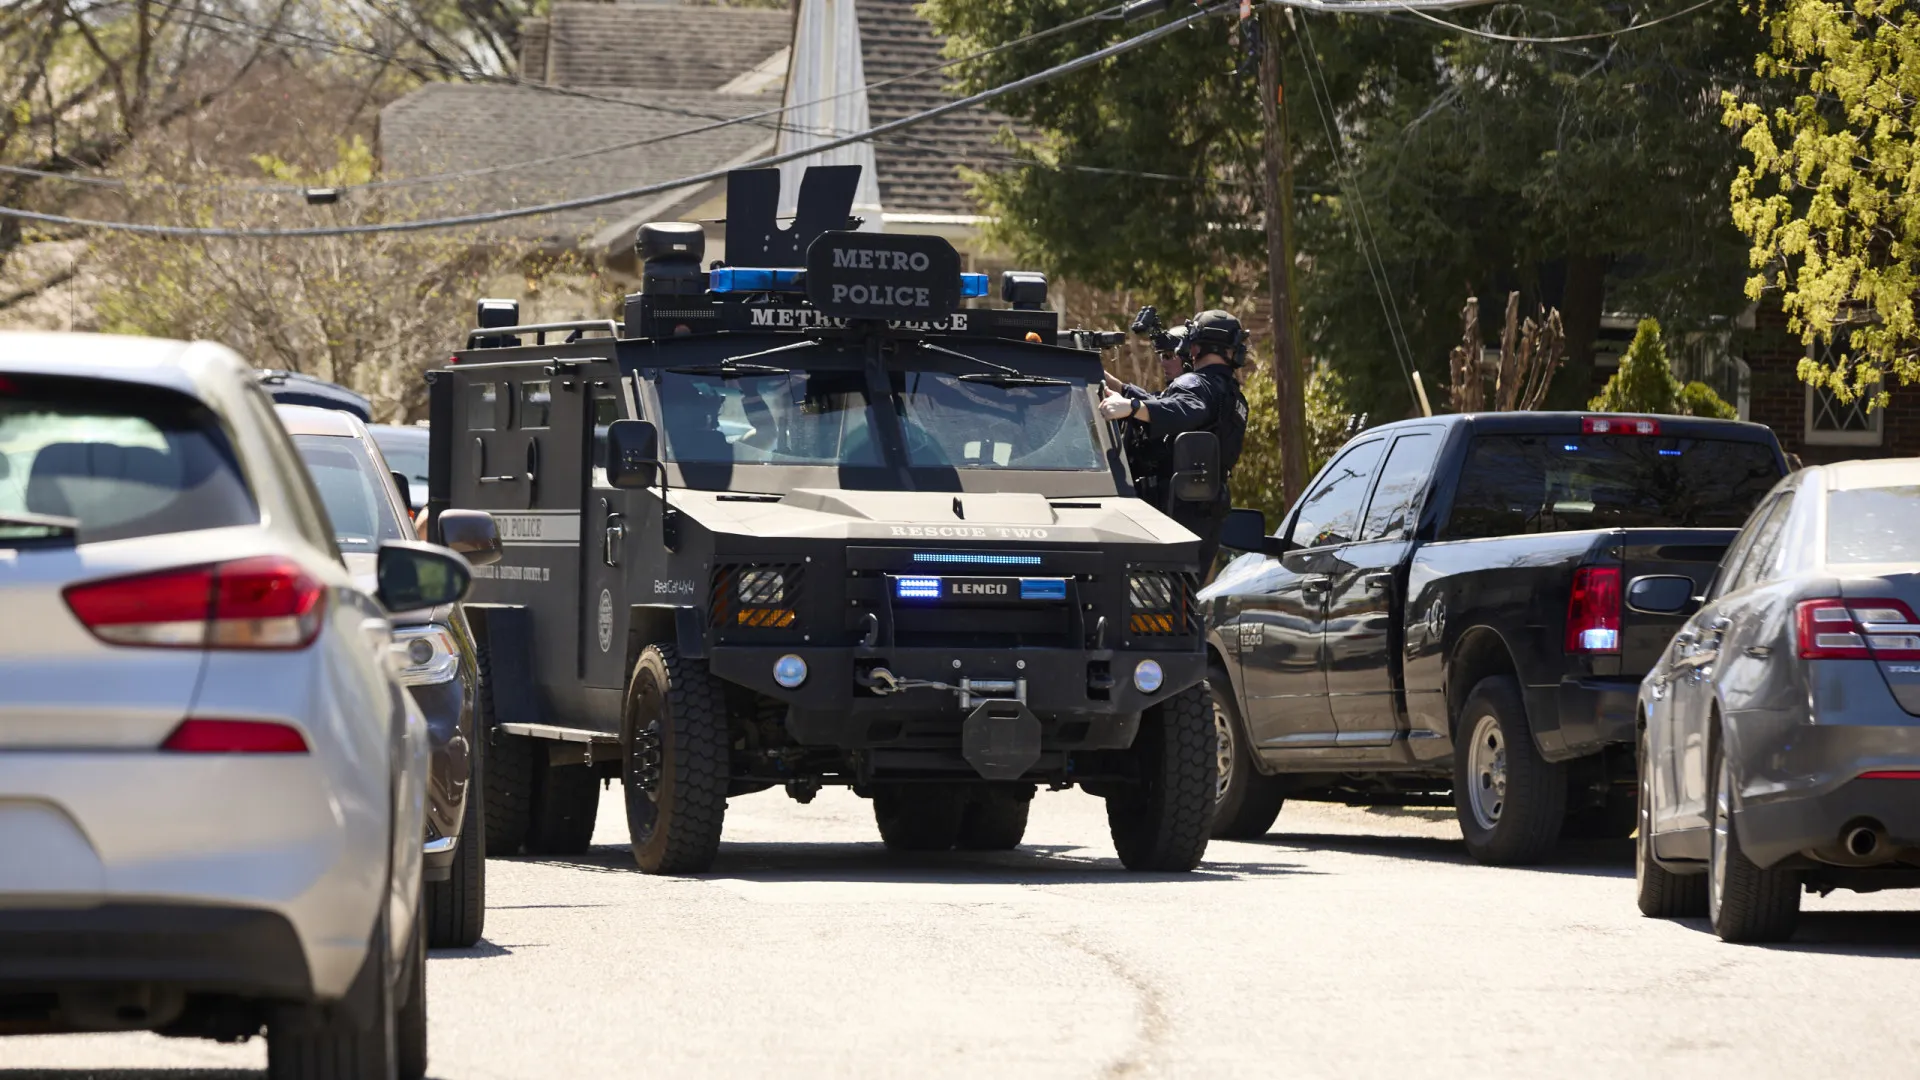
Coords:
pixel 1348 943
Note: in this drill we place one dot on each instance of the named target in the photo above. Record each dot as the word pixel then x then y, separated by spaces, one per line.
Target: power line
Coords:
pixel 1104 15
pixel 1520 40
pixel 488 217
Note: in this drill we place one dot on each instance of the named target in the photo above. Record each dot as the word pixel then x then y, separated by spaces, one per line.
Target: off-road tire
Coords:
pixel 411 1025
pixel 1615 819
pixel 994 818
pixel 566 804
pixel 456 909
pixel 507 778
pixel 677 711
pixel 1248 802
pixel 1660 892
pixel 1162 822
pixel 1534 806
pixel 355 1039
pixel 918 817
pixel 1745 903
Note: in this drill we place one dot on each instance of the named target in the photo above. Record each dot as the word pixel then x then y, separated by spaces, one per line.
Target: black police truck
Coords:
pixel 806 520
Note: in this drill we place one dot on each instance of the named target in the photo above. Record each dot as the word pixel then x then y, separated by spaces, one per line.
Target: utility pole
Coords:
pixel 1290 388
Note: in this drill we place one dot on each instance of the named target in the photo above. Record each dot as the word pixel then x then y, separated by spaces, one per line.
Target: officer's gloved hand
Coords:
pixel 1116 406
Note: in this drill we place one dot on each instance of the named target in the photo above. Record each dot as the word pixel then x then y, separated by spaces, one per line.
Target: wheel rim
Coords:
pixel 645 761
pixel 1722 823
pixel 1487 772
pixel 1223 752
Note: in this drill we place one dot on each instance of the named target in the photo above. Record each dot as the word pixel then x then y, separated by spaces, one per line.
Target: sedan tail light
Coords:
pixel 1856 629
pixel 201 736
pixel 1593 610
pixel 261 603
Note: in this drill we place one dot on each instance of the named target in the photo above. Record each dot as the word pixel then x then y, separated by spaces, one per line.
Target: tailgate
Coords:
pixel 1690 553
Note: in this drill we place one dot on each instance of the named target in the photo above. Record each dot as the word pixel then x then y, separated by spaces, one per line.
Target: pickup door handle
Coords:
pixel 1313 585
pixel 1377 582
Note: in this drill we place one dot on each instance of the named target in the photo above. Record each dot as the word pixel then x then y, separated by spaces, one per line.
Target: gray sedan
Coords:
pixel 1780 733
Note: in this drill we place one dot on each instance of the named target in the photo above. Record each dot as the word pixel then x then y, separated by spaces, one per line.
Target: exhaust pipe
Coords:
pixel 1862 841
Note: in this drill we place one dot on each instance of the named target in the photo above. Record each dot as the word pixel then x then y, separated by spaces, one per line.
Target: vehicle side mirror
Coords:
pixel 1661 594
pixel 1196 467
pixel 406 489
pixel 413 575
pixel 1244 530
pixel 633 453
pixel 473 534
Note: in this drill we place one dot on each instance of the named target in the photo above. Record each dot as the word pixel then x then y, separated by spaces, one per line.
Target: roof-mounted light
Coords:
pixel 739 279
pixel 973 285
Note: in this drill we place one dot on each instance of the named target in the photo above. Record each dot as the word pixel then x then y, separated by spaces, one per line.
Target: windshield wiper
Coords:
pixel 47 526
pixel 1007 376
pixel 731 367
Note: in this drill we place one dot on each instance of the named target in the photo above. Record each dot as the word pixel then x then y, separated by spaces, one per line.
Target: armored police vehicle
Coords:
pixel 806 520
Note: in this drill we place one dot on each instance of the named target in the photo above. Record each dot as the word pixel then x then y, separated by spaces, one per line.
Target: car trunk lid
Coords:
pixel 1892 633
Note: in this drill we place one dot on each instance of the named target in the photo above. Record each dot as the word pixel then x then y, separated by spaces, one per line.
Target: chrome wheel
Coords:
pixel 1722 821
pixel 1223 752
pixel 1487 772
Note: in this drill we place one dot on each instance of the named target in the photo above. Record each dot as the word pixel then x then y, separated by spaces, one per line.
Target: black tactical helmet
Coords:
pixel 1216 332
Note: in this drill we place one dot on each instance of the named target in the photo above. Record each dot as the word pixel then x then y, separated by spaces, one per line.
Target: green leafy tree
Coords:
pixel 1831 198
pixel 1645 383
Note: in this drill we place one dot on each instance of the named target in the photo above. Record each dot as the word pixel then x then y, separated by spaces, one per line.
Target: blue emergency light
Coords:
pixel 972 285
pixel 917 588
pixel 975 558
pixel 1043 588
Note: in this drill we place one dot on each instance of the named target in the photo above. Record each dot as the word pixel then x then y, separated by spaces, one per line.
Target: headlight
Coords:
pixel 424 655
pixel 790 671
pixel 1147 676
pixel 763 587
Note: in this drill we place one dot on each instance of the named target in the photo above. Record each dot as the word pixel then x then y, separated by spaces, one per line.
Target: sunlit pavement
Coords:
pixel 1348 943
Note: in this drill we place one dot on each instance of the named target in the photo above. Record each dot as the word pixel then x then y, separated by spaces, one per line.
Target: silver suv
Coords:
pixel 211 786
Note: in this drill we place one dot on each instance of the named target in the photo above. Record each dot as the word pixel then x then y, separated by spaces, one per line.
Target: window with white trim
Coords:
pixel 1832 422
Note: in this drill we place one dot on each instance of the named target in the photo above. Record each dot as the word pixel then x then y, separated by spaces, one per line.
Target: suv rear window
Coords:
pixel 1517 484
pixel 1874 525
pixel 122 460
pixel 353 489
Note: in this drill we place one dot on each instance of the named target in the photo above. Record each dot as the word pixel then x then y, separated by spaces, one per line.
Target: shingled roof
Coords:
pixel 448 126
pixel 651 46
pixel 893 41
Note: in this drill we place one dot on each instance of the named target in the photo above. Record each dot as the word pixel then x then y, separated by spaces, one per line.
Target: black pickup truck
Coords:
pixel 1452 608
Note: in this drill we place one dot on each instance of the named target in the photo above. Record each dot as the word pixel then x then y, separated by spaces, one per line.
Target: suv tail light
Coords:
pixel 1618 425
pixel 1856 629
pixel 1593 610
pixel 262 603
pixel 199 736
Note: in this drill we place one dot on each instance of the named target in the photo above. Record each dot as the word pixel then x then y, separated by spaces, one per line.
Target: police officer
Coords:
pixel 1148 454
pixel 1205 398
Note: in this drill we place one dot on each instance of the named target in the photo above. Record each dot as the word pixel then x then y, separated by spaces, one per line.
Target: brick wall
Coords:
pixel 1779 397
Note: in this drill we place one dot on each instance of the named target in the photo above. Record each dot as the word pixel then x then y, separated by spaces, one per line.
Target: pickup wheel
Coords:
pixel 1246 802
pixel 919 817
pixel 1511 802
pixel 676 763
pixel 1162 821
pixel 1744 902
pixel 995 818
pixel 1661 893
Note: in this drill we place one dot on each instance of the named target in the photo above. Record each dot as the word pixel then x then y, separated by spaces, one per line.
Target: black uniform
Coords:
pixel 1147 455
pixel 1206 399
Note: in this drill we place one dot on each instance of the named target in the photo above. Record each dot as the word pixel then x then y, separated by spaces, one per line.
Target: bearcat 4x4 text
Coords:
pixel 802 520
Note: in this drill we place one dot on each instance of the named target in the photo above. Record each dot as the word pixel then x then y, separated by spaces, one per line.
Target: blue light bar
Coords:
pixel 972 285
pixel 982 559
pixel 733 279
pixel 1043 588
pixel 1669 453
pixel 917 588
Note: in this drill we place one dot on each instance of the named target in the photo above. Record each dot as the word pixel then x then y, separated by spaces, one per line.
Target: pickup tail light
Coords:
pixel 203 736
pixel 260 603
pixel 1618 425
pixel 1855 629
pixel 1891 774
pixel 1593 611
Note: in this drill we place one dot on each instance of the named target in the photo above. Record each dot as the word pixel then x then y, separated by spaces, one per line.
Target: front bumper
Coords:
pixel 247 952
pixel 1800 787
pixel 1084 700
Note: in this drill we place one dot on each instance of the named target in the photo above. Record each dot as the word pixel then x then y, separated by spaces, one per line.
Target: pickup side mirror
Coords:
pixel 413 575
pixel 1196 467
pixel 633 453
pixel 473 534
pixel 1244 530
pixel 1661 594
